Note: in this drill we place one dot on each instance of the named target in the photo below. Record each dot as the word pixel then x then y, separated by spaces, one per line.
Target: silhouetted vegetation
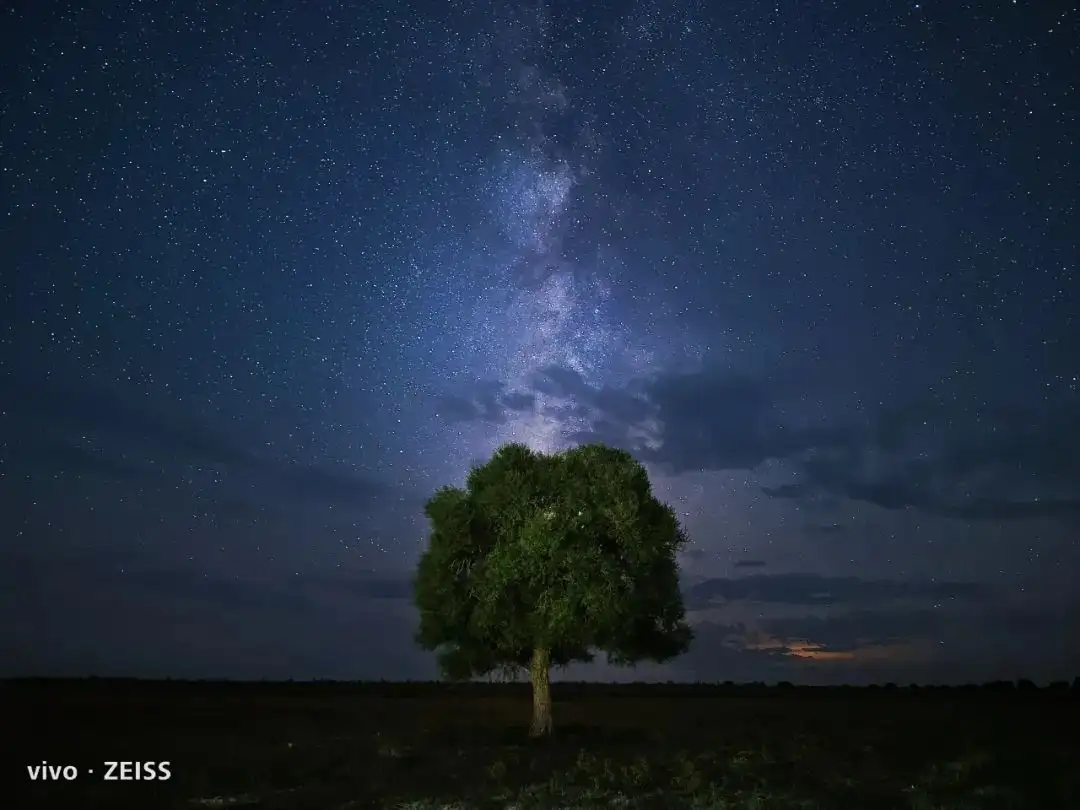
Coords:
pixel 346 745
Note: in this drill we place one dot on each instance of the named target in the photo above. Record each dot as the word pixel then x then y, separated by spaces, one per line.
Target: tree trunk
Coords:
pixel 539 671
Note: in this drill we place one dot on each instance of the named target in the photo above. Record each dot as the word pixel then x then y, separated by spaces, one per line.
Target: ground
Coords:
pixel 337 746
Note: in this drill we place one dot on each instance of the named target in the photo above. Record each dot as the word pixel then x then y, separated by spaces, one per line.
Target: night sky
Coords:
pixel 273 272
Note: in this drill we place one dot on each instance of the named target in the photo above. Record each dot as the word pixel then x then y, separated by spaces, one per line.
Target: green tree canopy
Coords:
pixel 543 560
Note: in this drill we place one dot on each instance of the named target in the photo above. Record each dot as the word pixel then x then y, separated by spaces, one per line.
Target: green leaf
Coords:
pixel 569 551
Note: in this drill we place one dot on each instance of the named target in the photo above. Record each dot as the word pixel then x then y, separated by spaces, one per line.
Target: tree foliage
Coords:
pixel 569 553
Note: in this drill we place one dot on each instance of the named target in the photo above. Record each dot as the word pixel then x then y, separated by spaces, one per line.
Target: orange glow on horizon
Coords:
pixel 809 651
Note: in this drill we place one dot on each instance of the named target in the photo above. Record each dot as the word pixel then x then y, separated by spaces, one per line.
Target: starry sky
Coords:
pixel 275 271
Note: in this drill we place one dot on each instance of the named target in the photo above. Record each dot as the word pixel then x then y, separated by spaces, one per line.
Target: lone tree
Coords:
pixel 542 560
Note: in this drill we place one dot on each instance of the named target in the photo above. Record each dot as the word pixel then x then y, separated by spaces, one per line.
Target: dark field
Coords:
pixel 429 746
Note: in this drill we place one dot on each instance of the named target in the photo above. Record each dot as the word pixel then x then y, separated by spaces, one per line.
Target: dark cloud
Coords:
pixel 710 419
pixel 365 584
pixel 812 589
pixel 487 401
pixel 992 493
pixel 916 457
pixel 119 574
pixel 824 528
pixel 608 411
pixel 303 619
pixel 994 464
pixel 715 422
pixel 895 491
pixel 519 400
pixel 720 652
pixel 70 410
pixel 86 432
pixel 559 381
pixel 82 459
pixel 612 434
pixel 266 401
pixel 78 614
pixel 332 482
pixel 1012 510
pixel 488 398
pixel 622 406
pixel 786 491
pixel 938 642
pixel 456 408
pixel 1036 623
pixel 750 564
pixel 221 594
pixel 855 629
pixel 1003 465
pixel 27 574
pixel 917 645
pixel 605 404
pixel 566 411
pixel 1033 439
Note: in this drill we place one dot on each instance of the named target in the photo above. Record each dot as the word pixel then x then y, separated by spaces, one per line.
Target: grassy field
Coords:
pixel 433 746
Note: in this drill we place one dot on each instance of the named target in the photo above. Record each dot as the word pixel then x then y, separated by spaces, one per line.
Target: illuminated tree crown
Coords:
pixel 545 559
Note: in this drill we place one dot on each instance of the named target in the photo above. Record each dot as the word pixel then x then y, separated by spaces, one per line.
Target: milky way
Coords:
pixel 535 306
pixel 278 271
